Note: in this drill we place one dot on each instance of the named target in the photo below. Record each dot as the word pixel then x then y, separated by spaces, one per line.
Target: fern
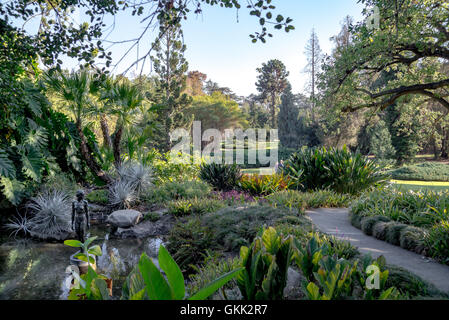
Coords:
pixel 7 168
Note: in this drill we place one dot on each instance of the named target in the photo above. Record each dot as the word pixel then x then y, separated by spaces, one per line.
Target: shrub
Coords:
pixel 412 238
pixel 222 177
pixel 356 220
pixel 438 241
pixel 98 196
pixel 341 248
pixel 380 230
pixel 427 171
pixel 393 232
pixel 189 242
pixel 166 192
pixel 409 284
pixel 60 182
pixel 339 170
pixel 151 216
pixel 167 169
pixel 305 200
pixel 262 185
pixel 368 223
pixel 194 206
pixel 234 227
pixel 422 209
pixel 234 197
pixel 50 215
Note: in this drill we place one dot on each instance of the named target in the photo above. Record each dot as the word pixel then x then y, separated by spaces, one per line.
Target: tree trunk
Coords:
pixel 88 157
pixel 116 145
pixel 105 130
pixel 273 111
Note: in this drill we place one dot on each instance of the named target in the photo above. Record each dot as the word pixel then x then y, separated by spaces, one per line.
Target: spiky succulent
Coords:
pixel 50 214
pixel 122 194
pixel 137 174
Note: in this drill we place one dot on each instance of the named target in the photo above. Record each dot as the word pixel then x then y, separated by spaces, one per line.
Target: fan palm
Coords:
pixel 123 100
pixel 75 91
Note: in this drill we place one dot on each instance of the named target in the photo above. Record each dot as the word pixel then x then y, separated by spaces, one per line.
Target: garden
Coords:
pixel 104 196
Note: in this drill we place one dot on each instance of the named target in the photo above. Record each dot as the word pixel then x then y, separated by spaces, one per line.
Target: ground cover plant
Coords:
pixel 414 220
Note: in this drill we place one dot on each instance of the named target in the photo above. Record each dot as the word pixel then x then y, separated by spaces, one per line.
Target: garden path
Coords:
pixel 336 222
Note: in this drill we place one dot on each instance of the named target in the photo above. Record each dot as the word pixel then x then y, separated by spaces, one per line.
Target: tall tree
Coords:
pixel 288 116
pixel 195 83
pixel 171 67
pixel 412 38
pixel 271 82
pixel 314 60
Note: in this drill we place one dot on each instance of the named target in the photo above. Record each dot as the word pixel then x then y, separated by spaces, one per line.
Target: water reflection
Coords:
pixel 36 270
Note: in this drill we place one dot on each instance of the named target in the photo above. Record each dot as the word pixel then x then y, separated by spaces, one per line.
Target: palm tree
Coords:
pixel 74 90
pixel 124 99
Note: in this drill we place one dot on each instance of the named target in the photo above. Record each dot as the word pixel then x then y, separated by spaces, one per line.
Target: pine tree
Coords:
pixel 288 120
pixel 171 67
pixel 314 60
pixel 271 82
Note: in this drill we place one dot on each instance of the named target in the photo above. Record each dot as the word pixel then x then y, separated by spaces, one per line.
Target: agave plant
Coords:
pixel 137 174
pixel 122 194
pixel 50 214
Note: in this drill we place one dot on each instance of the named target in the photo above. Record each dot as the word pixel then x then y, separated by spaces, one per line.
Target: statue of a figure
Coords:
pixel 80 215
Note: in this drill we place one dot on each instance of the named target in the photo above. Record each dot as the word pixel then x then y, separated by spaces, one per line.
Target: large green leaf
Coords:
pixel 173 273
pixel 7 168
pixel 73 243
pixel 215 285
pixel 13 190
pixel 156 285
pixel 95 250
pixel 32 164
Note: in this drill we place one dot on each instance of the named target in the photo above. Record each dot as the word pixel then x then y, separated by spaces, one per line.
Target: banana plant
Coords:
pixel 146 281
pixel 266 265
pixel 86 254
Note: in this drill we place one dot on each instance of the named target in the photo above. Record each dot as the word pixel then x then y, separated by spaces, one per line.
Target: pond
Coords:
pixel 30 269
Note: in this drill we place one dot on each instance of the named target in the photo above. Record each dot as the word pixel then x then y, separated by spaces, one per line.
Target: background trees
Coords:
pixel 271 82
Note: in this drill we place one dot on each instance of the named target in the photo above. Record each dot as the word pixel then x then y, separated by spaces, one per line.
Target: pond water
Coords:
pixel 31 269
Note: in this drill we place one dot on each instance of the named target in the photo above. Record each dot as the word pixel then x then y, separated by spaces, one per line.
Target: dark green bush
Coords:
pixel 412 238
pixel 194 206
pixel 221 176
pixel 339 170
pixel 98 196
pixel 393 232
pixel 409 284
pixel 236 226
pixel 168 191
pixel 368 223
pixel 356 220
pixel 189 242
pixel 428 171
pixel 380 230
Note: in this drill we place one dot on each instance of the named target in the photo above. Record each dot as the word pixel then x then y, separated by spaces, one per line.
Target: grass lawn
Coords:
pixel 261 171
pixel 421 185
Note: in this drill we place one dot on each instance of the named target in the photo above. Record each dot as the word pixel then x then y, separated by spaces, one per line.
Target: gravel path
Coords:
pixel 336 222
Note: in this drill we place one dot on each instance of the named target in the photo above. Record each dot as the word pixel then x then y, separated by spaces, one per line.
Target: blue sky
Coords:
pixel 219 45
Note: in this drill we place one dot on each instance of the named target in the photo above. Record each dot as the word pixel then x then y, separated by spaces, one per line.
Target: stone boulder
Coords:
pixel 147 229
pixel 124 218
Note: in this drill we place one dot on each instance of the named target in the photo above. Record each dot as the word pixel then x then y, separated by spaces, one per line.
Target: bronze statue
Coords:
pixel 80 215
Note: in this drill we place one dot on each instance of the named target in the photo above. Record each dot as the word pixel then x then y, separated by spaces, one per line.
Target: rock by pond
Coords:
pixel 124 218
